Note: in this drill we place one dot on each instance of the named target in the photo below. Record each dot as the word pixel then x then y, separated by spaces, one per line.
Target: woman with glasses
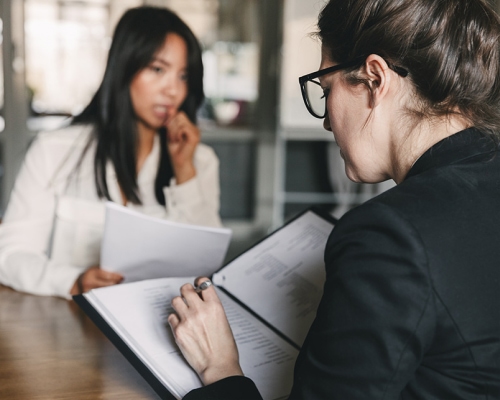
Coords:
pixel 410 309
pixel 136 143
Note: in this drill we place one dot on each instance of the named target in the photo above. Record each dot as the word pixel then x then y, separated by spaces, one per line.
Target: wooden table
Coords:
pixel 49 349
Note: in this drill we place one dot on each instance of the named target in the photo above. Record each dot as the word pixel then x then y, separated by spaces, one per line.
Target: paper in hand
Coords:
pixel 143 247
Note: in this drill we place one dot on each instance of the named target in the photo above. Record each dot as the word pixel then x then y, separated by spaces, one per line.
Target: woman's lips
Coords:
pixel 162 112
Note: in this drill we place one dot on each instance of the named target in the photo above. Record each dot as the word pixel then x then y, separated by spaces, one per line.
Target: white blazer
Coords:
pixel 52 228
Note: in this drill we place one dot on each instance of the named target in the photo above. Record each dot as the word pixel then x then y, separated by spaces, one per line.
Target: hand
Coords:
pixel 203 334
pixel 94 277
pixel 182 138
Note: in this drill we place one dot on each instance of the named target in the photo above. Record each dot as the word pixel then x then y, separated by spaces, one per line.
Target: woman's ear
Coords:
pixel 379 77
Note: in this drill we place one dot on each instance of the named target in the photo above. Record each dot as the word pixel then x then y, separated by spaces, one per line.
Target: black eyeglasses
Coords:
pixel 315 96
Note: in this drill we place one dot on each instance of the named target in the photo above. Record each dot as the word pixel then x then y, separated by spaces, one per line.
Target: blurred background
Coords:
pixel 275 158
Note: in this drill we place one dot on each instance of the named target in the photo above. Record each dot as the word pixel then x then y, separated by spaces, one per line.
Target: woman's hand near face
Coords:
pixel 94 277
pixel 203 334
pixel 182 138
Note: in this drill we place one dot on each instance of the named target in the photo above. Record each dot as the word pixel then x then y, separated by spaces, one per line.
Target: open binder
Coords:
pixel 270 294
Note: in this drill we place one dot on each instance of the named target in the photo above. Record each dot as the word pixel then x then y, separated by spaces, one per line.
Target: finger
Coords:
pixel 173 321
pixel 89 283
pixel 179 306
pixel 183 128
pixel 104 274
pixel 88 280
pixel 174 123
pixel 180 133
pixel 100 283
pixel 181 137
pixel 170 119
pixel 173 133
pixel 177 118
pixel 189 293
pixel 108 277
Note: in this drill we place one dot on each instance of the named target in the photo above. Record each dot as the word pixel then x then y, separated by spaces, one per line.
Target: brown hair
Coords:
pixel 450 48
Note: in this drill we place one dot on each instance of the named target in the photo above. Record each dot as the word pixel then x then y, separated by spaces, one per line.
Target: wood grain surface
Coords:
pixel 49 349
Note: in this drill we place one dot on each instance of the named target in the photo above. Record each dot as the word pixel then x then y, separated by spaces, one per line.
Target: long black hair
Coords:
pixel 140 33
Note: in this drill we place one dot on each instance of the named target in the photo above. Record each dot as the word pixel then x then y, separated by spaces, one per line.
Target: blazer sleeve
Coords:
pixel 26 230
pixel 232 388
pixel 197 201
pixel 375 320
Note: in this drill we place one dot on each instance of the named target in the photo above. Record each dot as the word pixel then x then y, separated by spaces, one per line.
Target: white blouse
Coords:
pixel 52 228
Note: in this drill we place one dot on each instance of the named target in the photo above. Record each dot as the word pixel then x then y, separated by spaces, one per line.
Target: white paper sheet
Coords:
pixel 282 278
pixel 143 247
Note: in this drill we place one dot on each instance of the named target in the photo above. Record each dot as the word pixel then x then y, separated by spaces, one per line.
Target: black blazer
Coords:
pixel 411 304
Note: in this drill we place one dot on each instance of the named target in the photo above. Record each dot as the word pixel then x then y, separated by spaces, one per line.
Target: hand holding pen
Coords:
pixel 202 332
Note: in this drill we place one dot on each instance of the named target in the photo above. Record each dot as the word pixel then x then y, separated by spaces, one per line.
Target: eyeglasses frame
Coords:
pixel 353 63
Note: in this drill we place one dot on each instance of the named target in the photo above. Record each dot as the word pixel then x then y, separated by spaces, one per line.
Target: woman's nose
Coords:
pixel 169 85
pixel 326 123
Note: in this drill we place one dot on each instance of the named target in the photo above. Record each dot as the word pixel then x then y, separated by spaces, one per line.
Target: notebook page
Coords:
pixel 281 278
pixel 138 313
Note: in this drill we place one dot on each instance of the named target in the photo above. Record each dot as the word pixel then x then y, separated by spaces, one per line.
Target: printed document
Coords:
pixel 281 279
pixel 143 247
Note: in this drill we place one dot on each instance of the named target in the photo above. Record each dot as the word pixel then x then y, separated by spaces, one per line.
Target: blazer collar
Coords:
pixel 455 148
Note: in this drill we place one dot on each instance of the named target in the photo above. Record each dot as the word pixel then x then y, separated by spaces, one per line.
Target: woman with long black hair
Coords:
pixel 136 143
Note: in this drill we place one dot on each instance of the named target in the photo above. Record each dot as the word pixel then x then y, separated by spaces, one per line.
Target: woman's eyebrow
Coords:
pixel 165 62
pixel 160 60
